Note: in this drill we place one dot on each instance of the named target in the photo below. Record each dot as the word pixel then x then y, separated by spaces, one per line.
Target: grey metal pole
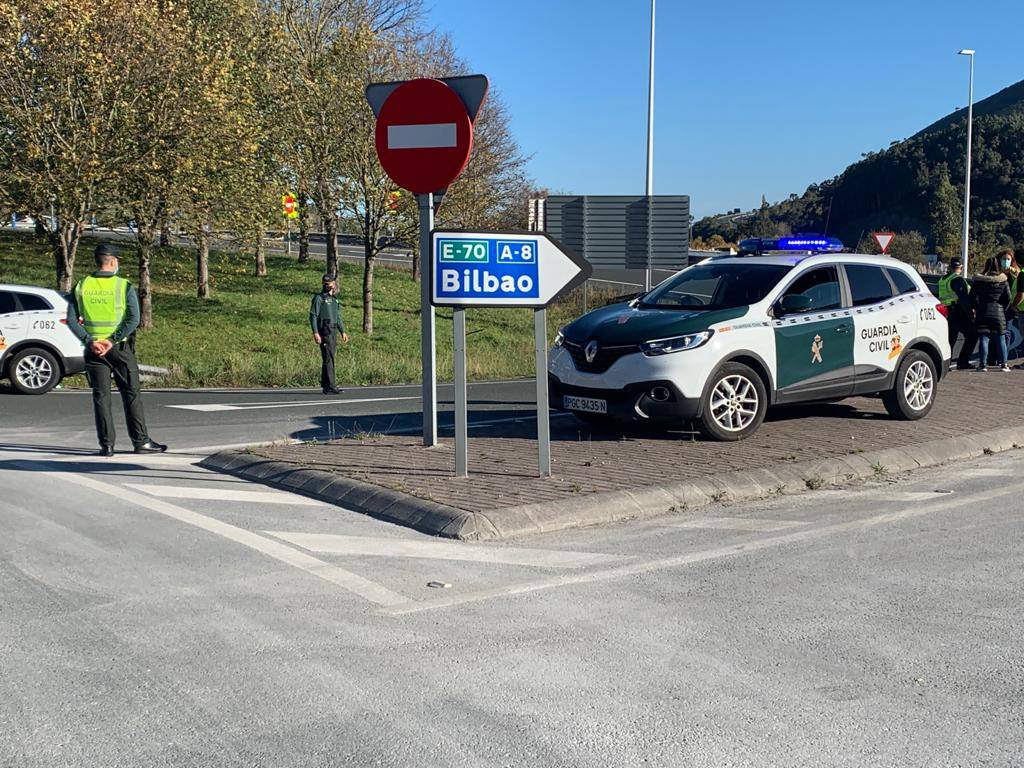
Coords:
pixel 428 340
pixel 540 332
pixel 288 235
pixel 461 408
pixel 650 147
pixel 967 170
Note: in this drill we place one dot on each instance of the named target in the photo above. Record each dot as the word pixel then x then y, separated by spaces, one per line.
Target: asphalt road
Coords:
pixel 191 419
pixel 155 614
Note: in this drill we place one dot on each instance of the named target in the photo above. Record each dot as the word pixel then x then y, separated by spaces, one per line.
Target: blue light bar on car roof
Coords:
pixel 793 243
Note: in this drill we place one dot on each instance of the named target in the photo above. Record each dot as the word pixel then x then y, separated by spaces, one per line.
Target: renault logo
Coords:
pixel 590 351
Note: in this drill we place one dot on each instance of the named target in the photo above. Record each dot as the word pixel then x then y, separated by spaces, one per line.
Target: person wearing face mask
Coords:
pixel 1008 266
pixel 325 320
pixel 103 313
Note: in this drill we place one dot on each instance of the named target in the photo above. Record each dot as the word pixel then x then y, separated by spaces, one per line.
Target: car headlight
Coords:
pixel 559 338
pixel 675 343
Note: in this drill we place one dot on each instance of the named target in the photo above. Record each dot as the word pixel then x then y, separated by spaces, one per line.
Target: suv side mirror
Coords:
pixel 795 304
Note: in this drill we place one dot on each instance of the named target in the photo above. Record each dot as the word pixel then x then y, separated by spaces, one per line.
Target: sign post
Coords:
pixel 884 239
pixel 290 210
pixel 423 136
pixel 502 269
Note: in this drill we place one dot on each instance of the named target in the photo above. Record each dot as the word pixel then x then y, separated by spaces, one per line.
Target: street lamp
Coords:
pixel 969 53
pixel 650 148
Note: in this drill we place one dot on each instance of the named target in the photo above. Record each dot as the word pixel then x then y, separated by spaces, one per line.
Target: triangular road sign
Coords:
pixel 883 239
pixel 472 89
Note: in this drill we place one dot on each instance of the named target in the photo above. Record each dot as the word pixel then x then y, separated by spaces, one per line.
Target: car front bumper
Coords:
pixel 632 403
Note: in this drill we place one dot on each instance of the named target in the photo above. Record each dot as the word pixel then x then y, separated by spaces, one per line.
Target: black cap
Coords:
pixel 955 262
pixel 105 251
pixel 329 278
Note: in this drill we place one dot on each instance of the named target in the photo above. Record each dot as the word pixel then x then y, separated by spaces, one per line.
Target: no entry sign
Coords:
pixel 424 136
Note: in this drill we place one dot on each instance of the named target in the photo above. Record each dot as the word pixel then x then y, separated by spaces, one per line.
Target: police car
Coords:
pixel 37 349
pixel 721 341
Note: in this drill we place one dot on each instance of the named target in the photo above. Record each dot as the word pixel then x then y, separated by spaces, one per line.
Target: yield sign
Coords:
pixel 424 135
pixel 883 239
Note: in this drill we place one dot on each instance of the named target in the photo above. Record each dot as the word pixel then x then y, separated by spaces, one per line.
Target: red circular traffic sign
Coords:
pixel 423 136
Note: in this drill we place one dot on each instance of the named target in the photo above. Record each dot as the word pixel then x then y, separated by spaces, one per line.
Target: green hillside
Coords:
pixel 914 185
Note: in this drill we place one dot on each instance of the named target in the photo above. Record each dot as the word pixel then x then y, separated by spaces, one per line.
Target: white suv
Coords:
pixel 37 349
pixel 725 339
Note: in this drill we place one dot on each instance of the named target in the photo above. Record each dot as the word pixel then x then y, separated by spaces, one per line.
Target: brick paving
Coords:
pixel 503 458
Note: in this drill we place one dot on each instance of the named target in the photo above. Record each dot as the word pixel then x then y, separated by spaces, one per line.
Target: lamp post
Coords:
pixel 650 148
pixel 969 53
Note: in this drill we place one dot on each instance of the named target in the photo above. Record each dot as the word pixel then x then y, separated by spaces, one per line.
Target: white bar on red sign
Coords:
pixel 425 136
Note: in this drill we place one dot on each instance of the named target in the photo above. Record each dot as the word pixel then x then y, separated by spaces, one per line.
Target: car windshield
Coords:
pixel 716 286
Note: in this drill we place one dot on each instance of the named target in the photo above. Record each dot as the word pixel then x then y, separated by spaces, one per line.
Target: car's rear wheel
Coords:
pixel 34 371
pixel 913 394
pixel 734 403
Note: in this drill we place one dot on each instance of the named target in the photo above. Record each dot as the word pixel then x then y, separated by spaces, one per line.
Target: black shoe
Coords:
pixel 150 446
pixel 332 391
pixel 106 451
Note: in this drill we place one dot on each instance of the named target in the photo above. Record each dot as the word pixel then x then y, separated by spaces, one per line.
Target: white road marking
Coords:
pixel 215 407
pixel 717 553
pixel 433 549
pixel 738 524
pixel 351 582
pixel 224 494
pixel 423 136
pixel 119 459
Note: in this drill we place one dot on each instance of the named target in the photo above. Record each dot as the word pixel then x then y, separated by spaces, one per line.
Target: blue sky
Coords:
pixel 751 97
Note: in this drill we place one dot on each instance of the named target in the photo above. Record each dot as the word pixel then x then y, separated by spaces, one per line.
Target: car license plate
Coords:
pixel 586 404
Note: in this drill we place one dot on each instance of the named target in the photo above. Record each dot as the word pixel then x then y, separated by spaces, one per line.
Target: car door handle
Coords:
pixel 904 319
pixel 842 329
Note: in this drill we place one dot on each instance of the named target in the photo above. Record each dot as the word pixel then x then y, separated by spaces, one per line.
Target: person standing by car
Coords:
pixel 103 313
pixel 990 294
pixel 955 294
pixel 325 320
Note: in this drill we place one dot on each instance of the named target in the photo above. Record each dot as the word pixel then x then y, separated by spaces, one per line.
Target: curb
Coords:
pixel 615 506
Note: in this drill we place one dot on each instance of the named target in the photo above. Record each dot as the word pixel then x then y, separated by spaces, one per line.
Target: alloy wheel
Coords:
pixel 34 371
pixel 734 403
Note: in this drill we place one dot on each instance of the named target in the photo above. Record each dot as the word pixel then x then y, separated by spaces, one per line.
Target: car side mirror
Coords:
pixel 795 304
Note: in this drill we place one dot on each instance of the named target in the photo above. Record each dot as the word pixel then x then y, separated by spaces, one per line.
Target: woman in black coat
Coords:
pixel 990 294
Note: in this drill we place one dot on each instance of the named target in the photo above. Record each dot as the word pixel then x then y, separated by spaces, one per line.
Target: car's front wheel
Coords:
pixel 734 403
pixel 913 394
pixel 34 371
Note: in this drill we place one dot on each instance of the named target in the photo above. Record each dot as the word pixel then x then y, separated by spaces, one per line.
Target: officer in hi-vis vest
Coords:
pixel 954 293
pixel 325 320
pixel 103 313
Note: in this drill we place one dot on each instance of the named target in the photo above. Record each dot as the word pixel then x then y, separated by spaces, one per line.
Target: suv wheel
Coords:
pixel 34 371
pixel 913 394
pixel 734 403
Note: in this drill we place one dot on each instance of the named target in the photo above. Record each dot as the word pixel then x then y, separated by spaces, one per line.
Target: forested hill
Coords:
pixel 915 185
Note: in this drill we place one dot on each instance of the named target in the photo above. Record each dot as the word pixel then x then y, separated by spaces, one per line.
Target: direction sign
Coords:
pixel 502 269
pixel 884 239
pixel 423 135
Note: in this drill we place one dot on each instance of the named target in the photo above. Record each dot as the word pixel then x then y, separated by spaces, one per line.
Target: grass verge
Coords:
pixel 255 331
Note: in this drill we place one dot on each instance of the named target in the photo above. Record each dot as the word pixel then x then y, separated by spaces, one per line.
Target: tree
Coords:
pixel 946 215
pixel 70 84
pixel 907 247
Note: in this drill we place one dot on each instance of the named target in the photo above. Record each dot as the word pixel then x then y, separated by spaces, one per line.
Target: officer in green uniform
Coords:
pixel 103 313
pixel 325 320
pixel 954 293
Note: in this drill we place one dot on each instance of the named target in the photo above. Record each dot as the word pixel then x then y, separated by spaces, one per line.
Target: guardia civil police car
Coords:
pixel 37 349
pixel 722 340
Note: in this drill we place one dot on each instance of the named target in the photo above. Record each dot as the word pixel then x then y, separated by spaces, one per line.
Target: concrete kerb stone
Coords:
pixel 615 506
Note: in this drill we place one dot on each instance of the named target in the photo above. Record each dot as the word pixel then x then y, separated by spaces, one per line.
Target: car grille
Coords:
pixel 603 360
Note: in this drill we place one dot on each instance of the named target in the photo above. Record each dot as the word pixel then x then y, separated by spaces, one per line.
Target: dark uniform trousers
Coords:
pixel 119 362
pixel 328 349
pixel 961 322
